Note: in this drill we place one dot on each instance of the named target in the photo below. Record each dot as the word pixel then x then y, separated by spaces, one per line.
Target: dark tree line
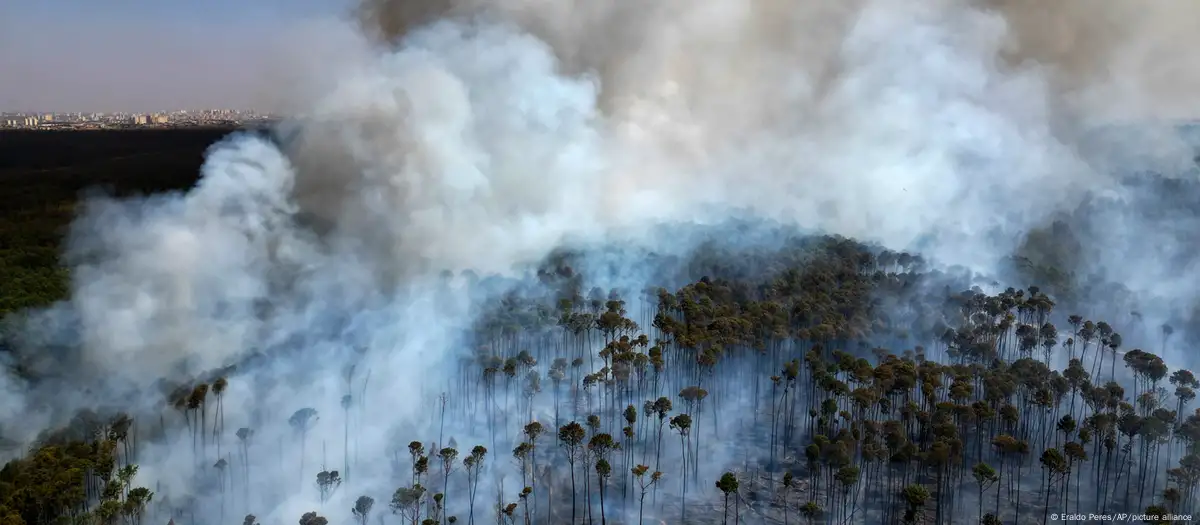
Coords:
pixel 44 176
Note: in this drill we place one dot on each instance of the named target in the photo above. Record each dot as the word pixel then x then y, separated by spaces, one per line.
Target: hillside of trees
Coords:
pixel 809 379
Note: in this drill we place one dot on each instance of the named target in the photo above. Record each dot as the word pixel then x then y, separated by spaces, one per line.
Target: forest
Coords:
pixel 802 379
pixel 43 176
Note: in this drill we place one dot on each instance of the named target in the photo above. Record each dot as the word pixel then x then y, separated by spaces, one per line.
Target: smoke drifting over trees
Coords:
pixel 562 247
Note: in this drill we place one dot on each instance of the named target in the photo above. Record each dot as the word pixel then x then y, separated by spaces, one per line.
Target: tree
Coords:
pixel 788 484
pixel 474 464
pixel 600 446
pixel 662 407
pixel 220 466
pixel 135 503
pixel 9 517
pixel 196 403
pixel 570 436
pixel 847 476
pixel 506 511
pixel 682 423
pixel 603 470
pixel 406 502
pixel 521 453
pixel 1157 515
pixel 985 476
pixel 311 518
pixel 362 509
pixel 218 389
pixel 810 511
pixel 302 421
pixel 915 497
pixel 420 463
pixel 327 482
pixel 108 511
pixel 639 472
pixel 244 435
pixel 449 456
pixel 1075 453
pixel 533 431
pixel 1055 465
pixel 524 497
pixel 728 484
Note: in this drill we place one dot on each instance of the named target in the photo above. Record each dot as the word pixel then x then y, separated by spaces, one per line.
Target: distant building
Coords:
pixel 140 120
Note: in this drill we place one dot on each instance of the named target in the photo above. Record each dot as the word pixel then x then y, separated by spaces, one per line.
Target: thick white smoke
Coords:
pixel 483 142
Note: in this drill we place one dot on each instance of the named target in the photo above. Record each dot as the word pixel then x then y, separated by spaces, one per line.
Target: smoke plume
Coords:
pixel 452 136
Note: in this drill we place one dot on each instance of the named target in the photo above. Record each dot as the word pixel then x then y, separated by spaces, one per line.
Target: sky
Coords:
pixel 151 55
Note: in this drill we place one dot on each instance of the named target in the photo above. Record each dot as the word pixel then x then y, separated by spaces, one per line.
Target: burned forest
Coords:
pixel 812 380
pixel 670 263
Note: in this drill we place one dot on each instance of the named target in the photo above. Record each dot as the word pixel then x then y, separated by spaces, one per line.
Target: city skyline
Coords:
pixel 72 120
pixel 43 111
pixel 146 56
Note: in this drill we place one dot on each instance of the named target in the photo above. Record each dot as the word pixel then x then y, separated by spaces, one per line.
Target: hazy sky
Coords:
pixel 147 55
pixel 144 55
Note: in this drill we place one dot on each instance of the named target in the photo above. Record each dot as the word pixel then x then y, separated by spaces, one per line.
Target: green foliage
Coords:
pixel 362 509
pixel 44 176
pixel 728 484
pixel 327 482
pixel 1157 515
pixel 55 475
pixel 603 469
pixel 811 510
pixel 406 501
pixel 311 518
pixel 571 435
pixel 984 475
pixel 301 420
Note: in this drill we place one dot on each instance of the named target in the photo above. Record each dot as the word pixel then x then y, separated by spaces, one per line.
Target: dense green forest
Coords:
pixel 42 175
pixel 802 379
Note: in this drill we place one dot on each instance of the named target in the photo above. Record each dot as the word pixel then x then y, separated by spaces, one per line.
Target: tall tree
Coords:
pixel 218 389
pixel 533 431
pixel 644 484
pixel 406 502
pixel 728 484
pixel 327 482
pixel 448 456
pixel 474 464
pixel 571 436
pixel 985 476
pixel 362 509
pixel 301 422
pixel 603 471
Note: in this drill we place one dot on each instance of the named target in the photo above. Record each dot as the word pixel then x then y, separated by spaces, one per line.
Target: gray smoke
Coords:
pixel 454 136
